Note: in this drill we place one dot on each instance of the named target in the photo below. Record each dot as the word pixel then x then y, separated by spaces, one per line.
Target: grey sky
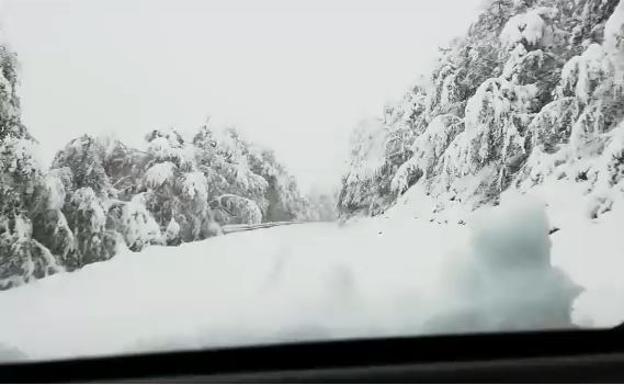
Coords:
pixel 293 75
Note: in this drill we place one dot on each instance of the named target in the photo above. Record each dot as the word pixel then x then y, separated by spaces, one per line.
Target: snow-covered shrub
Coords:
pixel 158 174
pixel 582 75
pixel 50 226
pixel 125 167
pixel 172 233
pixel 84 156
pixel 57 184
pixel 138 227
pixel 551 127
pixel 86 215
pixel 22 258
pixel 195 185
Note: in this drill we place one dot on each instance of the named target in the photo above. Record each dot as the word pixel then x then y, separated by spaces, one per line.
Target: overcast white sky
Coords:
pixel 291 74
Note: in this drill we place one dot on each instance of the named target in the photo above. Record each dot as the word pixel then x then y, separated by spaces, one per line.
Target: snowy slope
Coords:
pixel 376 276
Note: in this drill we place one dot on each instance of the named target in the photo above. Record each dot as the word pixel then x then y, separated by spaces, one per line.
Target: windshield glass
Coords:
pixel 190 174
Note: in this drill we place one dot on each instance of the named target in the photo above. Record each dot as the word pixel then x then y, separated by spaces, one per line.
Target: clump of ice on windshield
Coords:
pixel 506 280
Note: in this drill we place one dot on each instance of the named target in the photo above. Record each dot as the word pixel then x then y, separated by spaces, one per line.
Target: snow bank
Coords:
pixel 373 277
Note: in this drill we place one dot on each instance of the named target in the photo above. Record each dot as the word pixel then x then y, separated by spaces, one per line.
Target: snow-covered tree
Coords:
pixel 84 157
pixel 89 196
pixel 124 166
pixel 137 225
pixel 22 257
pixel 428 149
pixel 237 171
pixel 176 190
pixel 211 161
pixel 235 167
pixel 49 222
pixel 282 200
pixel 361 192
pixel 86 215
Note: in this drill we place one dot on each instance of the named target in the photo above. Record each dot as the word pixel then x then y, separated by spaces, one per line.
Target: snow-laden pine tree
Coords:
pixel 176 189
pixel 50 225
pixel 282 199
pixel 211 161
pixel 246 175
pixel 361 192
pixel 236 193
pixel 124 166
pixel 236 169
pixel 22 189
pixel 89 197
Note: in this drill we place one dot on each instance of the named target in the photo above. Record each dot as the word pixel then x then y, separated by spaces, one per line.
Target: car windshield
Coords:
pixel 179 175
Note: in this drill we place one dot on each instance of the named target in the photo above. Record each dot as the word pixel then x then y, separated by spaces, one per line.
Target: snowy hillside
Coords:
pixel 530 101
pixel 376 277
pixel 532 95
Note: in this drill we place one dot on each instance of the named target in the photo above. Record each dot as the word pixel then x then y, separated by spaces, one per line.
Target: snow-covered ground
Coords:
pixel 380 276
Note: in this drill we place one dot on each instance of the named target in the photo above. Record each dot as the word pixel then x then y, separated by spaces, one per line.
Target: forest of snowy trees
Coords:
pixel 534 92
pixel 100 195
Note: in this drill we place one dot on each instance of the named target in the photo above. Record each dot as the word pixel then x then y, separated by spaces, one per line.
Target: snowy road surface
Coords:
pixel 320 280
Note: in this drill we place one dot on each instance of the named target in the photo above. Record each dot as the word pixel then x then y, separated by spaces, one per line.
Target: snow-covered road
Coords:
pixel 373 277
pixel 305 280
